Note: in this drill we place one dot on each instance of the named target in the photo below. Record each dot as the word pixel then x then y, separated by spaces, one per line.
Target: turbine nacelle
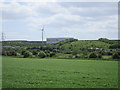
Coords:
pixel 42 29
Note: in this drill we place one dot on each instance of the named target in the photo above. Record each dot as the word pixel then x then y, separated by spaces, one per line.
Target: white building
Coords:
pixel 56 40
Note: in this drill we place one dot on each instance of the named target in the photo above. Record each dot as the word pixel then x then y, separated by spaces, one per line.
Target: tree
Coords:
pixel 99 56
pixel 103 39
pixel 41 54
pixel 52 54
pixel 115 46
pixel 93 55
pixel 34 52
pixel 14 53
pixel 23 52
pixel 78 56
pixel 27 54
pixel 116 56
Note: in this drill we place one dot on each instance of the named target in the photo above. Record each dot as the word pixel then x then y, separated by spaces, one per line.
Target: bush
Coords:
pixel 93 55
pixel 99 56
pixel 23 52
pixel 15 53
pixel 34 52
pixel 18 54
pixel 70 56
pixel 8 53
pixel 77 56
pixel 41 54
pixel 116 56
pixel 51 54
pixel 118 53
pixel 27 54
pixel 5 53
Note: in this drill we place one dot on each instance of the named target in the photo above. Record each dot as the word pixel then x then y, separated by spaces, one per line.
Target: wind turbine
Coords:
pixel 42 29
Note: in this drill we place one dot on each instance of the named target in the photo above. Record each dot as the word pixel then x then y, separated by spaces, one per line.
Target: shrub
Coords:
pixel 118 53
pixel 27 54
pixel 15 53
pixel 47 54
pixel 8 53
pixel 23 52
pixel 18 54
pixel 115 56
pixel 4 53
pixel 34 52
pixel 70 56
pixel 51 54
pixel 73 56
pixel 41 54
pixel 99 56
pixel 78 56
pixel 93 55
pixel 109 53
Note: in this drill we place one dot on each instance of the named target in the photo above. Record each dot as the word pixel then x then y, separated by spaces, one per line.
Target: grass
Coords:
pixel 59 73
pixel 0 72
pixel 107 57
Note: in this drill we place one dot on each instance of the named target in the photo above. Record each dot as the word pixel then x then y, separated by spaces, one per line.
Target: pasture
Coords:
pixel 58 73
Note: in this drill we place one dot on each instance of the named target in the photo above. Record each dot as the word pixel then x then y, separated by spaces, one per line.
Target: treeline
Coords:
pixel 22 43
pixel 70 48
pixel 29 51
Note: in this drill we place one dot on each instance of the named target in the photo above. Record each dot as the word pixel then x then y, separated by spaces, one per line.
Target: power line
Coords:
pixel 3 36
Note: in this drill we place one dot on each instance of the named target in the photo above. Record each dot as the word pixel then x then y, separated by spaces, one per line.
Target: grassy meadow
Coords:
pixel 58 73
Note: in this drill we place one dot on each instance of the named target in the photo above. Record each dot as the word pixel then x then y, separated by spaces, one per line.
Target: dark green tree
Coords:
pixel 41 54
pixel 27 54
pixel 93 55
pixel 99 56
pixel 116 56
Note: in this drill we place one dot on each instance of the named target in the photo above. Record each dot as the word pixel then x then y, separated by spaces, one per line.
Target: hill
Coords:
pixel 69 48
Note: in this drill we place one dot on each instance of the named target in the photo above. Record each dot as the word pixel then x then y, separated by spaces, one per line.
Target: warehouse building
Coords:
pixel 55 40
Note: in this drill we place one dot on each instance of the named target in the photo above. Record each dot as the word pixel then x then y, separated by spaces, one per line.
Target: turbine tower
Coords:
pixel 42 33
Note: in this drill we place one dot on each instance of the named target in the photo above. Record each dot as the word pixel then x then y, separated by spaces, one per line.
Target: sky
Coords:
pixel 79 20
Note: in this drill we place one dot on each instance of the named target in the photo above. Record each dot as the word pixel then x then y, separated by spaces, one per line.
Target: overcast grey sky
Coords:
pixel 80 20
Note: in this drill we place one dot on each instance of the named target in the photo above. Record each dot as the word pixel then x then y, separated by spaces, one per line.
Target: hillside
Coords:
pixel 70 48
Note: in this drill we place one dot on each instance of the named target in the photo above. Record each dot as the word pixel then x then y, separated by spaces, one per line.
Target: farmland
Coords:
pixel 58 73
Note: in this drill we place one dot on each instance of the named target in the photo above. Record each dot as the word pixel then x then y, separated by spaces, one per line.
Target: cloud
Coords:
pixel 93 11
pixel 14 11
pixel 48 9
pixel 60 18
pixel 106 28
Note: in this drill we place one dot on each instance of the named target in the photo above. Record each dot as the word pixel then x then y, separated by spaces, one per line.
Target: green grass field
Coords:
pixel 59 73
